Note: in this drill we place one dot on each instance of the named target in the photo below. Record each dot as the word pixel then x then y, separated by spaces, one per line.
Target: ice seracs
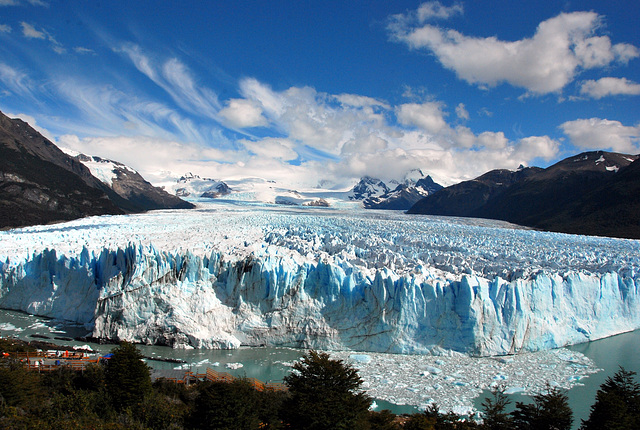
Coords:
pixel 226 275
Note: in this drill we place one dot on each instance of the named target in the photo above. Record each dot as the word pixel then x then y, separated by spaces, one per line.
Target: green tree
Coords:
pixel 127 377
pixel 383 420
pixel 495 416
pixel 325 394
pixel 550 411
pixel 226 406
pixel 617 404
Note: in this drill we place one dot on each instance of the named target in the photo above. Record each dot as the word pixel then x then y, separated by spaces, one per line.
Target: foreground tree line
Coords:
pixel 322 394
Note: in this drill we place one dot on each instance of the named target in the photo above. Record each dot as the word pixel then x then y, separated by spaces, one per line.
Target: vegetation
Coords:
pixel 323 394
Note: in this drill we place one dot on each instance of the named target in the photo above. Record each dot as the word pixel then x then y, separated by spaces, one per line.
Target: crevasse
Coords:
pixel 176 298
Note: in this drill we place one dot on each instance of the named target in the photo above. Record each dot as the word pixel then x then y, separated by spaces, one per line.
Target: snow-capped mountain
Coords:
pixel 195 186
pixel 331 279
pixel 415 187
pixel 368 187
pixel 134 193
pixel 376 194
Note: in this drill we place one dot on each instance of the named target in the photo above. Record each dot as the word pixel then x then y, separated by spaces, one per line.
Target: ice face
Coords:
pixel 231 274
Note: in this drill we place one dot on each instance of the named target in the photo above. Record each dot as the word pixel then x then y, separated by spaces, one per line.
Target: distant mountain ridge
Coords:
pixel 40 184
pixel 375 194
pixel 593 193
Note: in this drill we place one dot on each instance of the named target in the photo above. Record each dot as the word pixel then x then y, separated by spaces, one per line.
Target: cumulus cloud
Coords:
pixel 544 63
pixel 604 87
pixel 428 116
pixel 243 113
pixel 596 133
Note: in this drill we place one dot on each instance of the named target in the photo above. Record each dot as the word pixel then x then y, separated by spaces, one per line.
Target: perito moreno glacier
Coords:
pixel 230 274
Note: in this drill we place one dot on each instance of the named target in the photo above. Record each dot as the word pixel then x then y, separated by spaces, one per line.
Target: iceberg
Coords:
pixel 228 274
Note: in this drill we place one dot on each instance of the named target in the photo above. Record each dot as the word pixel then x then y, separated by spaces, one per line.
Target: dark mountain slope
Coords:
pixel 38 190
pixel 594 193
pixel 41 184
pixel 466 198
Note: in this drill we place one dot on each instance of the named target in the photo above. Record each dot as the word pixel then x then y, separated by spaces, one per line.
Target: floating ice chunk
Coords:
pixel 360 358
pixel 514 390
pixel 434 370
pixel 234 366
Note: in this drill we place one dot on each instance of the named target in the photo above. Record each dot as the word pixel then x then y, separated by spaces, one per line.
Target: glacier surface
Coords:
pixel 231 273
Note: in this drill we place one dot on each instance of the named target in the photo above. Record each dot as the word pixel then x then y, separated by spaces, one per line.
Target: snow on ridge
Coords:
pixel 228 274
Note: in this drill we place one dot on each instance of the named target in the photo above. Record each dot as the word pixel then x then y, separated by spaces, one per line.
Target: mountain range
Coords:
pixel 39 183
pixel 375 194
pixel 593 193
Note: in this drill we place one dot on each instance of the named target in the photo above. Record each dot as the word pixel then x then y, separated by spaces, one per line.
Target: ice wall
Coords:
pixel 139 293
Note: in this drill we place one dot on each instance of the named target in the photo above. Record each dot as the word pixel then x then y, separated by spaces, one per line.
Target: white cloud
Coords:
pixel 428 116
pixel 544 63
pixel 461 112
pixel 609 87
pixel 435 10
pixel 15 81
pixel 30 32
pixel 176 79
pixel 596 133
pixel 4 28
pixel 365 145
pixel 532 147
pixel 243 113
pixel 150 155
pixel 272 148
pixel 83 50
pixel 360 101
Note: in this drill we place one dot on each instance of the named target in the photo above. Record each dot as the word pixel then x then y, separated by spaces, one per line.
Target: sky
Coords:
pixel 321 93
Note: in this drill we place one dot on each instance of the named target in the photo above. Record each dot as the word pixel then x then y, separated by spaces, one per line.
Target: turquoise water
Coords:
pixel 272 364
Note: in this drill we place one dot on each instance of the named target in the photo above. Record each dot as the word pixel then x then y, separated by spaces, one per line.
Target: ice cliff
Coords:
pixel 332 281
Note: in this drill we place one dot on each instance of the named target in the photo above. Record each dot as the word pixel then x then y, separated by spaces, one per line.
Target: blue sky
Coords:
pixel 306 91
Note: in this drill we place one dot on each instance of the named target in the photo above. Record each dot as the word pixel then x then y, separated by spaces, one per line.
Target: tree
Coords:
pixel 495 415
pixel 325 394
pixel 550 411
pixel 127 377
pixel 617 404
pixel 226 406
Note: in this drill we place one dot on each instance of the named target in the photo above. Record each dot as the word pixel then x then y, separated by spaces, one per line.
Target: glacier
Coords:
pixel 234 273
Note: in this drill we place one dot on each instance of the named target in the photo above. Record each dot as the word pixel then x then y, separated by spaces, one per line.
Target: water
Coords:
pixel 272 364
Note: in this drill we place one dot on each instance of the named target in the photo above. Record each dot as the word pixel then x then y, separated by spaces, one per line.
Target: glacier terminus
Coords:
pixel 229 274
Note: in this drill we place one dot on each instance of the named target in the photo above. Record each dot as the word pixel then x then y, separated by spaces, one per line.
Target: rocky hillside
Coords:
pixel 40 184
pixel 594 193
pixel 135 194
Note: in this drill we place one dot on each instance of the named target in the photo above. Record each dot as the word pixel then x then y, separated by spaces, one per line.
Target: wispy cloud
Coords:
pixel 30 32
pixel 174 77
pixel 22 2
pixel 15 81
pixel 544 63
pixel 4 28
